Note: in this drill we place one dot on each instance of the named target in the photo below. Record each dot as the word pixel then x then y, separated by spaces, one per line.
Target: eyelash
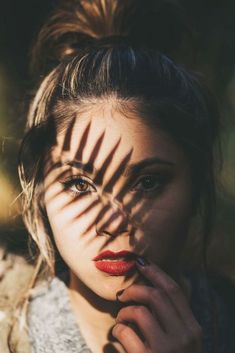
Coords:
pixel 159 182
pixel 71 183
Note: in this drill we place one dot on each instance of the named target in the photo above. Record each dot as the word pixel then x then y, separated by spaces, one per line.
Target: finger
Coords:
pixel 172 289
pixel 128 338
pixel 148 325
pixel 159 304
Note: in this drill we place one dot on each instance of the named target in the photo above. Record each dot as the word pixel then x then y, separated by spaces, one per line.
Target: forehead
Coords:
pixel 105 128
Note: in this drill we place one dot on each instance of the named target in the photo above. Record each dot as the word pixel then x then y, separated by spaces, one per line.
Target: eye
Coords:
pixel 149 183
pixel 78 185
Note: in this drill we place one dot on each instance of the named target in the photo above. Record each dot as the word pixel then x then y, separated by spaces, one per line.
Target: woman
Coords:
pixel 117 161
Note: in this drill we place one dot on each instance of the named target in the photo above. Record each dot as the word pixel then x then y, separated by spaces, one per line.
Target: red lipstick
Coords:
pixel 116 263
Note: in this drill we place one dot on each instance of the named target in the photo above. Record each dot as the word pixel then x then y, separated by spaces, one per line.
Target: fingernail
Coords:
pixel 119 293
pixel 142 261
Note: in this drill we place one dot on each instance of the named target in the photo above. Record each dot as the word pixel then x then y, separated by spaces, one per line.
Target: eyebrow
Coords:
pixel 132 169
pixel 86 167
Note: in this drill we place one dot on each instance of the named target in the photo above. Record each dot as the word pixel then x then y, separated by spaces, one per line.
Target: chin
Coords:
pixel 112 285
pixel 108 296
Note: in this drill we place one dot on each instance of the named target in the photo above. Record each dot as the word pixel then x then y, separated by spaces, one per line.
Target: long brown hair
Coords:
pixel 96 49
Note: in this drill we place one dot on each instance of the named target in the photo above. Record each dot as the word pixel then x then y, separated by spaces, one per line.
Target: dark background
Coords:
pixel 213 23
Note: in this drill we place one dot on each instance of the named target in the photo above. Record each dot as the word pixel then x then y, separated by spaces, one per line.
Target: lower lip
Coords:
pixel 116 268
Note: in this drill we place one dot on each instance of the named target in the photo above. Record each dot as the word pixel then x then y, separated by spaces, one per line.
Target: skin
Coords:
pixel 152 223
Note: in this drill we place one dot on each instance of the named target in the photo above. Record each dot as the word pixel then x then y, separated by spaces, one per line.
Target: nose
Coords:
pixel 114 221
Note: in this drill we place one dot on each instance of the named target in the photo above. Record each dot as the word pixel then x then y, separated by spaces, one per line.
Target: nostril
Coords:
pixel 113 225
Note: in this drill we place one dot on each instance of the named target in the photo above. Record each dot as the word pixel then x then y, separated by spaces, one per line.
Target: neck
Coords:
pixel 95 316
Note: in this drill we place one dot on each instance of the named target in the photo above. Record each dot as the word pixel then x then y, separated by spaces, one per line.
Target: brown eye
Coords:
pixel 78 185
pixel 81 185
pixel 149 183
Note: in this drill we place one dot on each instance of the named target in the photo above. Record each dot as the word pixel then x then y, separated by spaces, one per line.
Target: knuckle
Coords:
pixel 121 331
pixel 193 336
pixel 198 333
pixel 139 311
pixel 156 294
pixel 186 340
pixel 123 312
pixel 173 288
pixel 131 289
pixel 171 346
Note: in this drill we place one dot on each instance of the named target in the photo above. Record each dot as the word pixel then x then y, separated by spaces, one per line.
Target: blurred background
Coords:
pixel 213 55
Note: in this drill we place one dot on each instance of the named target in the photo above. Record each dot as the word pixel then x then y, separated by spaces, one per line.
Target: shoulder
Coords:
pixel 212 302
pixel 224 286
pixel 224 293
pixel 52 323
pixel 15 275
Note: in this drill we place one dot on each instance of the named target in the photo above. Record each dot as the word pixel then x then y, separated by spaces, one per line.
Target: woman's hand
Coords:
pixel 163 319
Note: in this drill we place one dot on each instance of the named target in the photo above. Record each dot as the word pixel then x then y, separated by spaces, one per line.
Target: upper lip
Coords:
pixel 111 254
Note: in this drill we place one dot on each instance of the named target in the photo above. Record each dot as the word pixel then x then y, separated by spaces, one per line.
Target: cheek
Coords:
pixel 165 224
pixel 72 225
pixel 70 215
pixel 70 239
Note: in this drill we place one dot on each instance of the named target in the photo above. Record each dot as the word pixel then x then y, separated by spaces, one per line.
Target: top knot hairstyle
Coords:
pixel 96 49
pixel 77 24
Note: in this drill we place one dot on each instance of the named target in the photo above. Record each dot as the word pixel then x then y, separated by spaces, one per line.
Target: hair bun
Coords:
pixel 82 23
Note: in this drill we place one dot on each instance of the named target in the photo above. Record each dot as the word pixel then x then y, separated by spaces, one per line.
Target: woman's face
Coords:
pixel 113 183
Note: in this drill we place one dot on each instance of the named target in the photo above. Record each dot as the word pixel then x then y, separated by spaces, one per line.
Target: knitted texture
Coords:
pixel 52 324
pixel 53 328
